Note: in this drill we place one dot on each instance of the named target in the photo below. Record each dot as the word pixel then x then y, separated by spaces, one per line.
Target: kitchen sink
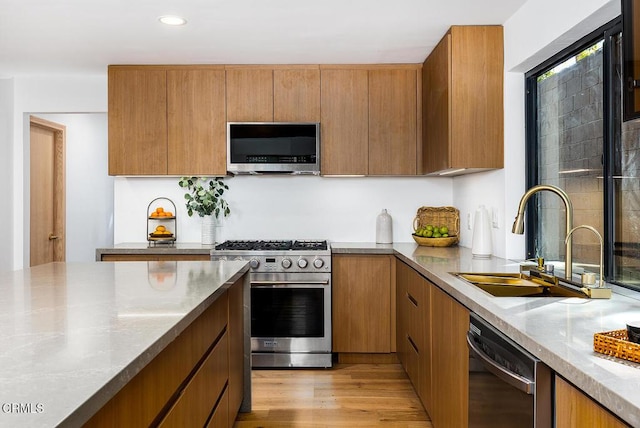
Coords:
pixel 519 285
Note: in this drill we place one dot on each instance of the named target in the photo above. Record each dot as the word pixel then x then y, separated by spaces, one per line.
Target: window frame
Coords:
pixel 605 32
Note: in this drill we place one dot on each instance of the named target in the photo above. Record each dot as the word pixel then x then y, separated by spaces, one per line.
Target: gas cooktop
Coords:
pixel 283 245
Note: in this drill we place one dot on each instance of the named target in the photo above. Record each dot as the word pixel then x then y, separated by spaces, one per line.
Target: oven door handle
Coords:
pixel 522 383
pixel 271 283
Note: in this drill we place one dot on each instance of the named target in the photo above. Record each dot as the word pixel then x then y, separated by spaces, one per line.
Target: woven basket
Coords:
pixel 438 216
pixel 615 343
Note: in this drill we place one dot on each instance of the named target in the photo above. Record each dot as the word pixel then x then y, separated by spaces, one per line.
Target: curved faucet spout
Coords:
pixel 601 282
pixel 518 224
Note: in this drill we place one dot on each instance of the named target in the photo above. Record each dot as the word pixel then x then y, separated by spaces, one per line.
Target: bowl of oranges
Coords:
pixel 159 212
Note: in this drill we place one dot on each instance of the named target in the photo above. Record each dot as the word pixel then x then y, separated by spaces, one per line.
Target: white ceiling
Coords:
pixel 84 36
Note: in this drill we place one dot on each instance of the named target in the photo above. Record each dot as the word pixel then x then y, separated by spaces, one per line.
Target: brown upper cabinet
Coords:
pixel 392 121
pixel 166 120
pixel 274 94
pixel 296 94
pixel 370 120
pixel 250 95
pixel 137 121
pixel 462 102
pixel 345 122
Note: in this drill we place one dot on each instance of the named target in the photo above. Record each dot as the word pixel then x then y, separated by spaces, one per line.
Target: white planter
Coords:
pixel 208 230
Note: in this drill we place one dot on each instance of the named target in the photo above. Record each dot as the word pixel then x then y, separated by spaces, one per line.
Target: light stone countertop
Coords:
pixel 144 248
pixel 559 331
pixel 73 334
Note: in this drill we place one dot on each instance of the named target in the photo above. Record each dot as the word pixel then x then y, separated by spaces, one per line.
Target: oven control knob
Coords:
pixel 302 263
pixel 254 263
pixel 286 263
pixel 318 263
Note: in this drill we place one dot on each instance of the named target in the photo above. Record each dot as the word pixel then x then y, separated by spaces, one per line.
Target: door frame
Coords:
pixel 59 132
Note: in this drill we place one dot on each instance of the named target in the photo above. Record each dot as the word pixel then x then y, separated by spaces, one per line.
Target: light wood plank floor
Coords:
pixel 353 395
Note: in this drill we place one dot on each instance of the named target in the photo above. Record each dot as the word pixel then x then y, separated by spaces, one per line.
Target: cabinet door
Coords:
pixel 137 121
pixel 345 122
pixel 361 296
pixel 477 79
pixel 574 409
pixel 392 122
pixel 296 95
pixel 196 122
pixel 249 95
pixel 436 75
pixel 450 361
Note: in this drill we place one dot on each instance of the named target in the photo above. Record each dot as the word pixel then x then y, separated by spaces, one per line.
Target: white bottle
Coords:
pixel 481 243
pixel 384 234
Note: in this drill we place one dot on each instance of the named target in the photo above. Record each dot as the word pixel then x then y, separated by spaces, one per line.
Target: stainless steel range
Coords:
pixel 290 300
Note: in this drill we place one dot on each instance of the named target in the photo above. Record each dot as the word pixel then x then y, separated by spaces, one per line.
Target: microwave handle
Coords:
pixel 523 384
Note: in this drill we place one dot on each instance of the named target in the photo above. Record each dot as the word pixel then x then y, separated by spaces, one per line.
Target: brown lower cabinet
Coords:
pixel 363 313
pixel 574 409
pixel 194 381
pixel 431 331
pixel 153 257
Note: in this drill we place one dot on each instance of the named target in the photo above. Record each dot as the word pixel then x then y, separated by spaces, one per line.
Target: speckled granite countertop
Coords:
pixel 556 330
pixel 73 334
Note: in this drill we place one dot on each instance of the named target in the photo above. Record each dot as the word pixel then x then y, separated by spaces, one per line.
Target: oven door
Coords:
pixel 290 313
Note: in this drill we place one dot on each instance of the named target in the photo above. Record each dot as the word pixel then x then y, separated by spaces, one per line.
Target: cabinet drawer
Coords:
pixel 197 399
pixel 413 363
pixel 220 416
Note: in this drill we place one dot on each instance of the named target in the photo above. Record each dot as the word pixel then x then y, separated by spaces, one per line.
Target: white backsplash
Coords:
pixel 287 207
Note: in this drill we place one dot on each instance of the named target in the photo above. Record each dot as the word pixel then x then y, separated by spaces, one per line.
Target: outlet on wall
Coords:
pixel 495 223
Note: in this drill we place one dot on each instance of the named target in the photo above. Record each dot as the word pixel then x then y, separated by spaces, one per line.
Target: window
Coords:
pixel 577 141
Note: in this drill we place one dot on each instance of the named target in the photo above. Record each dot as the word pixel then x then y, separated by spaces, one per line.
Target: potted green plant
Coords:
pixel 204 196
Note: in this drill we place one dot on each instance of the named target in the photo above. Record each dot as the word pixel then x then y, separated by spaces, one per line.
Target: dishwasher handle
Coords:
pixel 522 383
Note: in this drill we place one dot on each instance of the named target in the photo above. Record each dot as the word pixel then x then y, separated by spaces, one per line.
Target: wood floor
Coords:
pixel 348 395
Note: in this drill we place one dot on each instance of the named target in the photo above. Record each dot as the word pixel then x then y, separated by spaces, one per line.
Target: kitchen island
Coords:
pixel 559 331
pixel 74 335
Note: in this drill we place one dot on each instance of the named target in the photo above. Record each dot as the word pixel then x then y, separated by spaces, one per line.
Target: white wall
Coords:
pixel 537 31
pixel 6 170
pixel 43 94
pixel 335 208
pixel 89 188
pixel 287 207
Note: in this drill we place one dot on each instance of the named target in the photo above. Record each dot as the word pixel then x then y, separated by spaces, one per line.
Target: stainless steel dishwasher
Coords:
pixel 508 387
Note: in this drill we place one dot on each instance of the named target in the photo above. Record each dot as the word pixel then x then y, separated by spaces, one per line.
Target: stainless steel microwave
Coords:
pixel 273 147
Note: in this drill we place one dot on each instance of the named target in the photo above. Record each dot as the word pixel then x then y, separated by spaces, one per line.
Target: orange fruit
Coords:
pixel 154 214
pixel 159 210
pixel 169 213
pixel 161 228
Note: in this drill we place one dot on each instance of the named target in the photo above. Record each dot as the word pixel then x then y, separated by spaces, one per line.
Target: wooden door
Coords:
pixel 137 120
pixel 47 192
pixel 436 75
pixel 344 122
pixel 197 130
pixel 450 361
pixel 361 295
pixel 296 94
pixel 393 114
pixel 249 94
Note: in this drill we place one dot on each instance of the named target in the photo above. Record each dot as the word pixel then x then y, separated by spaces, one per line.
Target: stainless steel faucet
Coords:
pixel 518 224
pixel 601 282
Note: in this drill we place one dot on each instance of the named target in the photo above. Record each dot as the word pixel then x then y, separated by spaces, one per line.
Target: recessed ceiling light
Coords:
pixel 172 20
